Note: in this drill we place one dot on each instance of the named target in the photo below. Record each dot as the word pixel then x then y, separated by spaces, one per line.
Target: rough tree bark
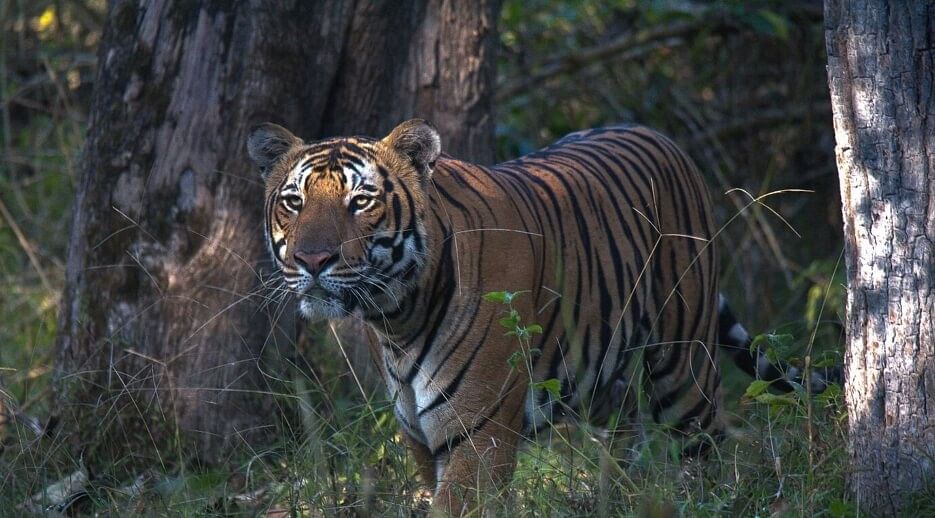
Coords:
pixel 881 65
pixel 161 342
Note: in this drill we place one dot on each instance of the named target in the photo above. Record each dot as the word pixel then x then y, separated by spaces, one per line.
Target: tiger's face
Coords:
pixel 344 215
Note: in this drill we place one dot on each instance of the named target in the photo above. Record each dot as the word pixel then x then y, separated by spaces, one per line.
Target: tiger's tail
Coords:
pixel 735 338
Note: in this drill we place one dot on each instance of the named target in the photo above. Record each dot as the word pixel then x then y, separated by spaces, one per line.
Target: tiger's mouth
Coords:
pixel 316 291
pixel 357 286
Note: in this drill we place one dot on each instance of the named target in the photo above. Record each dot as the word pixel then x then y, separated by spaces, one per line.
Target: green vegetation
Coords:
pixel 46 66
pixel 740 84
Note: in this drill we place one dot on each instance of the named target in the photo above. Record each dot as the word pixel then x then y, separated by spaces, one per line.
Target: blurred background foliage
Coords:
pixel 47 65
pixel 740 84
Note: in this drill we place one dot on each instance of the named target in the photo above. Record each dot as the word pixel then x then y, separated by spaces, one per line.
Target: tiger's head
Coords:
pixel 344 215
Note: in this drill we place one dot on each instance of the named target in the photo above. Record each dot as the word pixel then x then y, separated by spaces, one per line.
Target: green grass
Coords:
pixel 351 460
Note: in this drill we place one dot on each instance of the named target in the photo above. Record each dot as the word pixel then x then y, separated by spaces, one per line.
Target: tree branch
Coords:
pixel 768 118
pixel 625 47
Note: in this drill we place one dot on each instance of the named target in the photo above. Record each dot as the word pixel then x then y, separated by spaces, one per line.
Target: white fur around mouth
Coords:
pixel 315 302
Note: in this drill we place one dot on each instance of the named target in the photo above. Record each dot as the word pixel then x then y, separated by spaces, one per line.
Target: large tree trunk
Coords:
pixel 161 345
pixel 882 79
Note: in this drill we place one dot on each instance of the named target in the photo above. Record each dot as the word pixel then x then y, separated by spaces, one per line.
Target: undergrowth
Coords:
pixel 783 458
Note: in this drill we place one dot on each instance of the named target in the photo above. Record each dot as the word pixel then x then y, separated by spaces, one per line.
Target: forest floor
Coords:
pixel 783 456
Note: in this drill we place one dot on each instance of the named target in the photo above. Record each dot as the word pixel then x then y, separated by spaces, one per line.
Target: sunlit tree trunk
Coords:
pixel 881 64
pixel 163 347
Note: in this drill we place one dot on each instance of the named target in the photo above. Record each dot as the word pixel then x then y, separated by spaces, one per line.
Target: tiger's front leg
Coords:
pixel 478 441
pixel 424 461
pixel 479 466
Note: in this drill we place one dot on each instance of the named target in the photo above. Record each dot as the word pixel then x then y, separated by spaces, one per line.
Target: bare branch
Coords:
pixel 626 47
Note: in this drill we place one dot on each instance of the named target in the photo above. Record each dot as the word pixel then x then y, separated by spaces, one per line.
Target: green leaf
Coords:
pixel 520 354
pixel 552 385
pixel 783 341
pixel 755 344
pixel 534 328
pixel 502 297
pixel 756 388
pixel 778 24
pixel 514 359
pixel 509 323
pixel 826 360
pixel 813 303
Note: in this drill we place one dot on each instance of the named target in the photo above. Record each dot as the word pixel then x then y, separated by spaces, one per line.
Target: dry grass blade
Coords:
pixel 28 249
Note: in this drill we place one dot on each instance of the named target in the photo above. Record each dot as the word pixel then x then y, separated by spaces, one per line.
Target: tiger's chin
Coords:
pixel 321 308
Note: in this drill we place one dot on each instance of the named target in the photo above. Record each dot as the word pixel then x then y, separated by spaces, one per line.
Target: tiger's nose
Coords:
pixel 311 261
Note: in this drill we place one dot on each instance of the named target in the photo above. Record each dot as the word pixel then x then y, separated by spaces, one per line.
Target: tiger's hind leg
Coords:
pixel 622 440
pixel 681 361
pixel 683 387
pixel 619 415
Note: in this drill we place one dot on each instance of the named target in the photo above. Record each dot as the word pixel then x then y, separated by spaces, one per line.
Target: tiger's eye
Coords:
pixel 360 202
pixel 292 202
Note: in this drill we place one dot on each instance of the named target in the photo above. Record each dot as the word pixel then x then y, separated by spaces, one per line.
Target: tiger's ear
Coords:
pixel 418 141
pixel 267 143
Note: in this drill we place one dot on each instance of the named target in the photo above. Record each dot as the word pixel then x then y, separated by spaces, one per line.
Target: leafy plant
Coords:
pixel 524 334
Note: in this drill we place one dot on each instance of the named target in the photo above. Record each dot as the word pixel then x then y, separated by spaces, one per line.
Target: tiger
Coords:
pixel 605 239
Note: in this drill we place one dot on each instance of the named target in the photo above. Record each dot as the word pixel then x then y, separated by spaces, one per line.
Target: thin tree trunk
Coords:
pixel 161 344
pixel 882 79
